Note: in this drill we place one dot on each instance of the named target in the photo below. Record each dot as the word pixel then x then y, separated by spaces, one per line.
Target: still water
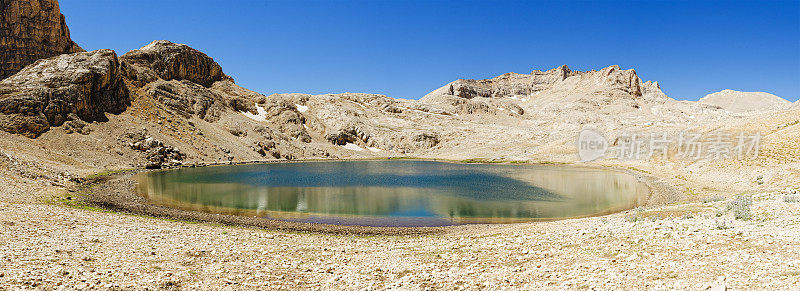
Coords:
pixel 395 193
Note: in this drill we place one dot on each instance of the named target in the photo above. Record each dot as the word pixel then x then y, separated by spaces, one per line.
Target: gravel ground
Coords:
pixel 687 246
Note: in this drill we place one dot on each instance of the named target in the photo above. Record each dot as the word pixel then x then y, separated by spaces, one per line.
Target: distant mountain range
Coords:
pixel 167 104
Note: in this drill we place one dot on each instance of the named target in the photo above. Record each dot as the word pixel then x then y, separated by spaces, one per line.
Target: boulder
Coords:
pixel 158 154
pixel 44 94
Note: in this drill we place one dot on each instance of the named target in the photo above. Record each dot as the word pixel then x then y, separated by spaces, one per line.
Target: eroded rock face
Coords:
pixel 87 85
pixel 519 86
pixel 190 99
pixel 187 98
pixel 609 86
pixel 44 94
pixel 506 85
pixel 171 61
pixel 31 30
pixel 187 81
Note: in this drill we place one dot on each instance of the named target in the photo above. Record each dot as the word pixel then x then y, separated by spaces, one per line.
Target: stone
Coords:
pixel 158 154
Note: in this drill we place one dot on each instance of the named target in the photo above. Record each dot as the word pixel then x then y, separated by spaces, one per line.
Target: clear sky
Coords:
pixel 405 49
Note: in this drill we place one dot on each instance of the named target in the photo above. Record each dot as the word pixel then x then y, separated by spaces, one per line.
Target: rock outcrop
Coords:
pixel 511 92
pixel 31 30
pixel 739 102
pixel 186 80
pixel 48 92
pixel 514 85
pixel 187 99
pixel 157 153
pixel 506 85
pixel 81 87
pixel 171 61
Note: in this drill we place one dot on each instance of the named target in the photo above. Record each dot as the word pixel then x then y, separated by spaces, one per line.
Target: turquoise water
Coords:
pixel 395 193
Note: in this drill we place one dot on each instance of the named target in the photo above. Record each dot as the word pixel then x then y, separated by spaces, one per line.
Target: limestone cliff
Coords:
pixel 31 30
pixel 514 85
pixel 84 86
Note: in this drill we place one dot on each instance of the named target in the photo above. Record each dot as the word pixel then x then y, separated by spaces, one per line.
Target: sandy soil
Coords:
pixel 685 246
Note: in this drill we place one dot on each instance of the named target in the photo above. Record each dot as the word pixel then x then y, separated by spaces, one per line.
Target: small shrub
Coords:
pixel 791 198
pixel 722 225
pixel 632 218
pixel 740 206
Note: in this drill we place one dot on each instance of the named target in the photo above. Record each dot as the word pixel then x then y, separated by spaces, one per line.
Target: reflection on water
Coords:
pixel 396 193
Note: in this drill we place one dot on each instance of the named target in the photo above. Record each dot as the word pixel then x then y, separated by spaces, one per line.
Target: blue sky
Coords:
pixel 405 49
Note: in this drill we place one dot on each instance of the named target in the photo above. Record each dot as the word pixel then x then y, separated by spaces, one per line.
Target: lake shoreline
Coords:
pixel 116 192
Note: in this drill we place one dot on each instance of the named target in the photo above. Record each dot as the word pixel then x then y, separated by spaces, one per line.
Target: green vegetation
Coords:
pixel 638 170
pixel 740 206
pixel 713 199
pixel 481 161
pixel 793 123
pixel 106 173
pixel 494 161
pixel 402 158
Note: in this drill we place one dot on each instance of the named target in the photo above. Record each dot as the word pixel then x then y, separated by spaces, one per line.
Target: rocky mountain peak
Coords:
pixel 626 80
pixel 738 102
pixel 171 61
pixel 31 30
pixel 652 84
pixel 560 70
pixel 561 78
pixel 83 87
